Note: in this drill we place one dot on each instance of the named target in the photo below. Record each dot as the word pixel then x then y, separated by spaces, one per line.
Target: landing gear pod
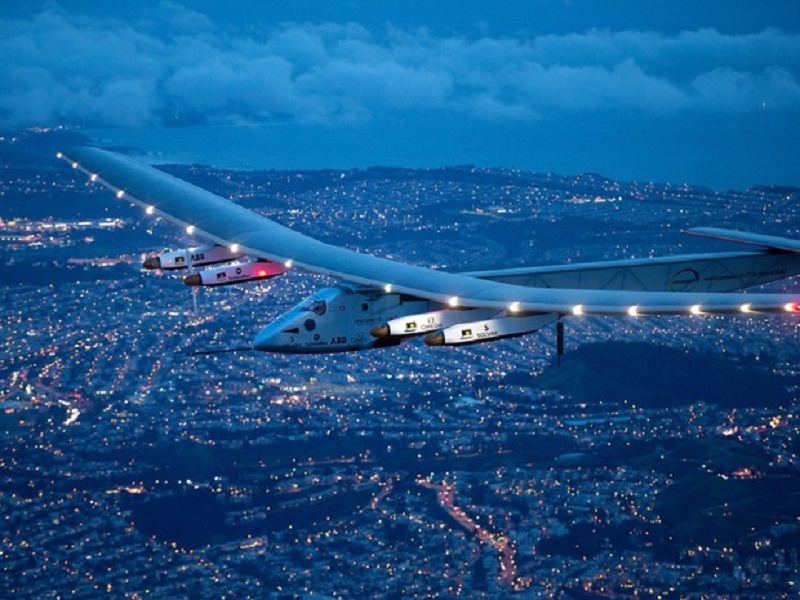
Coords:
pixel 231 274
pixel 196 257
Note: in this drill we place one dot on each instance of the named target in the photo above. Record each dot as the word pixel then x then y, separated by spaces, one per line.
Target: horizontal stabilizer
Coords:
pixel 770 242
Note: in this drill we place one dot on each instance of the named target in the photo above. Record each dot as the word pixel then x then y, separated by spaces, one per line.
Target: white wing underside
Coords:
pixel 225 222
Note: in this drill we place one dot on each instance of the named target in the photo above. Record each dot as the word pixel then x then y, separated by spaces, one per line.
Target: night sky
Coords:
pixel 698 92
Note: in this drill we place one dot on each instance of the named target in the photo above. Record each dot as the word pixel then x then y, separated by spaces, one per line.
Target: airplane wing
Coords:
pixel 769 242
pixel 224 222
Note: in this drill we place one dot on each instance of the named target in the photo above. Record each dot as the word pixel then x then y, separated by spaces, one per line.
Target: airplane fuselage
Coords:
pixel 337 319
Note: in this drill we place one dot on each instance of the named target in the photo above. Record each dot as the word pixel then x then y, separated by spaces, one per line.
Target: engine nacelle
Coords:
pixel 430 321
pixel 196 257
pixel 230 274
pixel 489 330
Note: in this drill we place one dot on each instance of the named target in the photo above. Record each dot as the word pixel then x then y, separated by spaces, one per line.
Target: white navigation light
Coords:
pixel 234 247
pixel 150 210
pixel 513 307
pixel 289 263
pixel 633 311
pixel 74 165
pixel 453 301
pixel 59 155
pixel 695 310
pixel 120 193
pixel 746 308
pixel 93 177
pixel 577 310
pixel 388 288
pixel 190 229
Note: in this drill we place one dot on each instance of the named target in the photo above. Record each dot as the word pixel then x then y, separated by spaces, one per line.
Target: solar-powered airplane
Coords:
pixel 383 302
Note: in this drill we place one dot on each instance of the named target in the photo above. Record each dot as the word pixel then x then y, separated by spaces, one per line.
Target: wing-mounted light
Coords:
pixel 762 304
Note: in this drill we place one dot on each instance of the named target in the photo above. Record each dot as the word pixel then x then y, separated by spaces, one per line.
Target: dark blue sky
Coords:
pixel 463 17
pixel 703 92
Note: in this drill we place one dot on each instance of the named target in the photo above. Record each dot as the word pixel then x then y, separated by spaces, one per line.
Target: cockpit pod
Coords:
pixel 336 319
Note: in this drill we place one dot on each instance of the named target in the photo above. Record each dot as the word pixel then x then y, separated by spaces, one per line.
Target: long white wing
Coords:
pixel 744 237
pixel 225 222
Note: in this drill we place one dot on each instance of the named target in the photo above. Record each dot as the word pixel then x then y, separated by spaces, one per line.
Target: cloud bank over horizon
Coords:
pixel 177 68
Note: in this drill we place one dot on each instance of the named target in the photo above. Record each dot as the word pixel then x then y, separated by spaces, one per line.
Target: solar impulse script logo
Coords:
pixel 684 280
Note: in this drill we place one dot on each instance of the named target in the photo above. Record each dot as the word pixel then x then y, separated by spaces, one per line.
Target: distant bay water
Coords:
pixel 720 153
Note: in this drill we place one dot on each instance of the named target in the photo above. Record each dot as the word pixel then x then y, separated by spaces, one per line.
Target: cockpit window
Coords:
pixel 318 307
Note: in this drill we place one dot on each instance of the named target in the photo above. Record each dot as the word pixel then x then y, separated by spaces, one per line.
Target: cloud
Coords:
pixel 175 66
pixel 256 87
pixel 737 91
